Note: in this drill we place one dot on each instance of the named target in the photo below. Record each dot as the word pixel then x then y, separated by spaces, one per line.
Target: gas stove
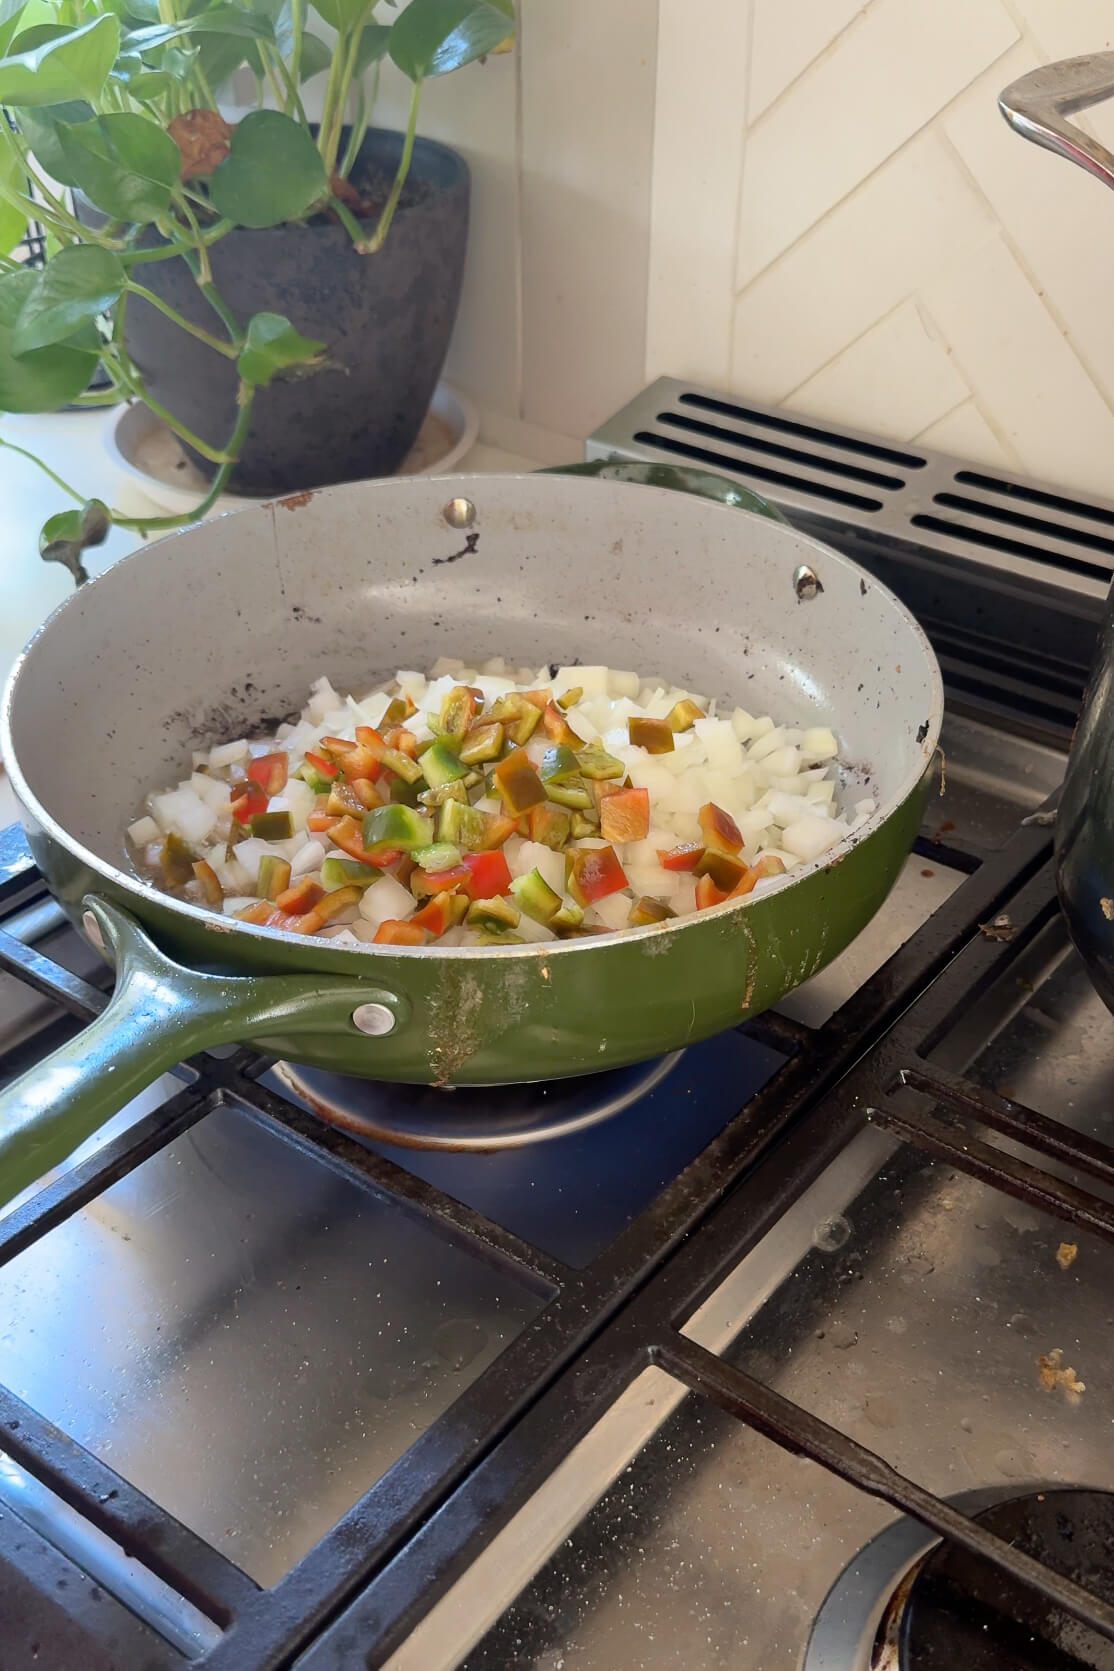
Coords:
pixel 787 1353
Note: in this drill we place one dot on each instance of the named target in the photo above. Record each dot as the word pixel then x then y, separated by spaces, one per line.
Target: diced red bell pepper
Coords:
pixel 685 857
pixel 269 772
pixel 318 822
pixel 259 913
pixel 367 791
pixel 360 762
pixel 557 727
pixel 497 830
pixel 720 829
pixel 540 698
pixel 402 740
pixel 307 923
pixel 303 896
pixel 349 836
pixel 323 767
pixel 488 874
pixel 396 933
pixel 440 913
pixel 708 894
pixel 249 804
pixel 336 746
pixel 625 816
pixel 344 800
pixel 595 873
pixel 768 865
pixel 427 883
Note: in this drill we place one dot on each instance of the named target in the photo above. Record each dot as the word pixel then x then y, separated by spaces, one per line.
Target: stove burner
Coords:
pixel 962 1612
pixel 472 1117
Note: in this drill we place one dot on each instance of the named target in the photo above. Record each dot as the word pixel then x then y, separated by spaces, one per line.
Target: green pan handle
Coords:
pixel 704 483
pixel 159 1013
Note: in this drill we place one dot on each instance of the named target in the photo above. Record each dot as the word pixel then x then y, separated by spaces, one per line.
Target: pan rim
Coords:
pixel 220 926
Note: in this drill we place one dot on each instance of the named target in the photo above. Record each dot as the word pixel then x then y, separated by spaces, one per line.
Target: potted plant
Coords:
pixel 279 291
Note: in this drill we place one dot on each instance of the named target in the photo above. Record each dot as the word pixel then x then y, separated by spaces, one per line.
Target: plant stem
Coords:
pixel 364 107
pixel 204 273
pixel 292 99
pixel 213 454
pixel 45 468
pixel 297 30
pixel 149 525
pixel 348 220
pixel 336 125
pixel 228 349
pixel 331 89
pixel 383 226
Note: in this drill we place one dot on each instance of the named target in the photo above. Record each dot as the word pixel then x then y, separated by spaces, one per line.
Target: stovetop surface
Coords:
pixel 280 1349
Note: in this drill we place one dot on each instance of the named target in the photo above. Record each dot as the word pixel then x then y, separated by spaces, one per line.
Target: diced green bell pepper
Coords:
pixel 441 764
pixel 347 873
pixel 535 898
pixel 387 828
pixel 272 826
pixel 493 915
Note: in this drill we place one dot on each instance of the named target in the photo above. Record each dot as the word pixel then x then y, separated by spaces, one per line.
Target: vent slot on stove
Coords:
pixel 987 538
pixel 758 472
pixel 773 449
pixel 1036 496
pixel 808 432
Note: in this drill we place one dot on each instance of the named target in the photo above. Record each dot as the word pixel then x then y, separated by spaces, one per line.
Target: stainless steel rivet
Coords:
pixel 806 582
pixel 93 929
pixel 374 1019
pixel 459 513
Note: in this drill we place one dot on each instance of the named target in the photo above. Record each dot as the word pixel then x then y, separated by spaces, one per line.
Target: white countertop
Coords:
pixel 73 444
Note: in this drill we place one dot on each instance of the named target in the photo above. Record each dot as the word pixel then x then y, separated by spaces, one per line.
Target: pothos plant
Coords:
pixel 117 100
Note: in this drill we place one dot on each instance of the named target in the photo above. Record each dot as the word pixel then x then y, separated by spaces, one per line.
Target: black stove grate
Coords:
pixel 363 1587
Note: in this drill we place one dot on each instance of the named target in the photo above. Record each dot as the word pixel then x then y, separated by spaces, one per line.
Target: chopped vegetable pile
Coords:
pixel 494 807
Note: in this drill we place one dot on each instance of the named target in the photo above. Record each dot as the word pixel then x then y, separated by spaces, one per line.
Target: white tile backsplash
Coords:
pixel 853 108
pixel 854 267
pixel 588 88
pixel 859 383
pixel 811 201
pixel 1020 368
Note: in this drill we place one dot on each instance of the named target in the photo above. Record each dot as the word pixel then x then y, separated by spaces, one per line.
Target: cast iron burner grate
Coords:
pixel 597 1321
pixel 962 1611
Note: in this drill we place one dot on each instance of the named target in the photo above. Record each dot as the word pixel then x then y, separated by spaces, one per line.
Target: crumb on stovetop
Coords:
pixel 1053 1376
pixel 1065 1254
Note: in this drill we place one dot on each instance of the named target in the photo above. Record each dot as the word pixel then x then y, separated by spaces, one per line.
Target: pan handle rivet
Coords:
pixel 93 929
pixel 459 513
pixel 806 582
pixel 374 1019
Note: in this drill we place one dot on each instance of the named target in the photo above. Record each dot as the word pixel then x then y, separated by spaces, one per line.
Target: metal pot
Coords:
pixel 1037 106
pixel 212 630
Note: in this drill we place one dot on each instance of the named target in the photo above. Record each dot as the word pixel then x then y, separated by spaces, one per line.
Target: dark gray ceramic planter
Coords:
pixel 385 319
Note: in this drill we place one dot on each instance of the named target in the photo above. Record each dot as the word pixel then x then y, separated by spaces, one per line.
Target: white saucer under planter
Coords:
pixel 144 448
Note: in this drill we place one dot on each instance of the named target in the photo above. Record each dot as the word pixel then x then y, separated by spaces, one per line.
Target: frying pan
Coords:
pixel 223 627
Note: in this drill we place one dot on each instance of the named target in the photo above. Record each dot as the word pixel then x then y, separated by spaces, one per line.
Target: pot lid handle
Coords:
pixel 1037 106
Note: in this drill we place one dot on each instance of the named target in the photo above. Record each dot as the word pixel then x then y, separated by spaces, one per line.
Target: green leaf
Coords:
pixel 220 56
pixel 272 346
pixel 220 20
pixel 80 282
pixel 40 129
pixel 432 37
pixel 75 66
pixel 374 42
pixel 48 378
pixel 125 164
pixel 316 56
pixel 37 34
pixel 17 14
pixel 341 14
pixel 13 222
pixel 64 537
pixel 273 171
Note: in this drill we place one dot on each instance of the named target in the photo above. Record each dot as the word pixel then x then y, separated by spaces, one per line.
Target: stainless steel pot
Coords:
pixel 212 631
pixel 1038 106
